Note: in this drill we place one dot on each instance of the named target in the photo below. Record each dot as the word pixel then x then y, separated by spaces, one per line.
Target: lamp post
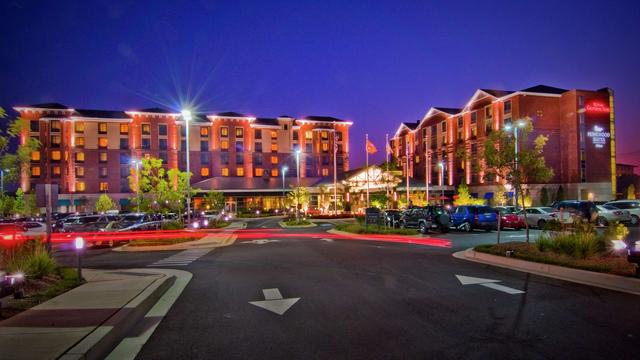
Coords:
pixel 509 127
pixel 284 171
pixel 136 163
pixel 298 188
pixel 441 165
pixel 79 246
pixel 186 116
pixel 2 179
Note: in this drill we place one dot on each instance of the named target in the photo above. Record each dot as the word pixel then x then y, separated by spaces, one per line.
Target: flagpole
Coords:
pixel 407 171
pixel 335 170
pixel 426 168
pixel 386 148
pixel 366 150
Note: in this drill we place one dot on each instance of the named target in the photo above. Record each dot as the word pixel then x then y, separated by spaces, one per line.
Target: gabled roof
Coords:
pixel 544 89
pixel 230 114
pixel 266 121
pixel 156 110
pixel 451 111
pixel 51 105
pixel 103 114
pixel 322 118
pixel 411 125
pixel 497 93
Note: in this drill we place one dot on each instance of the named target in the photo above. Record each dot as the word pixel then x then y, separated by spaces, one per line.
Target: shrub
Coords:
pixel 544 243
pixel 31 258
pixel 616 231
pixel 173 225
pixel 552 225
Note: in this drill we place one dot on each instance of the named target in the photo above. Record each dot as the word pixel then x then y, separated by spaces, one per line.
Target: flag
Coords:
pixel 371 149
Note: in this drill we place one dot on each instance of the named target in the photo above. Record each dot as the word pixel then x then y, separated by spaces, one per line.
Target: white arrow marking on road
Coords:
pixel 468 280
pixel 259 241
pixel 274 302
pixel 327 240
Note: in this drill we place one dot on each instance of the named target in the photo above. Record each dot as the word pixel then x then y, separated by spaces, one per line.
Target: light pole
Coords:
pixel 441 165
pixel 298 182
pixel 136 163
pixel 186 116
pixel 79 246
pixel 284 171
pixel 2 179
pixel 509 127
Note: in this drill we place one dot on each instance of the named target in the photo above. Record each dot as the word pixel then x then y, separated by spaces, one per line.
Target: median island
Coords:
pixel 359 228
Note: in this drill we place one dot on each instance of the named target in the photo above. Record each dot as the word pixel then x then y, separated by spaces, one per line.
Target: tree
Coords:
pixel 22 157
pixel 104 204
pixel 560 193
pixel 299 195
pixel 25 204
pixel 544 196
pixel 631 192
pixel 465 198
pixel 7 205
pixel 500 196
pixel 526 198
pixel 324 199
pixel 214 200
pixel 500 159
pixel 159 190
pixel 379 200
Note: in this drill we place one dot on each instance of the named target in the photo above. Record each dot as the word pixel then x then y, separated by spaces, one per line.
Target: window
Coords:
pixel 55 126
pixel 325 160
pixel 488 112
pixel 183 131
pixel 325 172
pixel 183 145
pixel 146 144
pixel 124 185
pixel 259 172
pixel 325 147
pixel 35 171
pixel 146 129
pixel 102 142
pixel 308 148
pixel 339 136
pixel 162 129
pixel 239 132
pixel 239 146
pixel 124 158
pixel 224 145
pixel 258 133
pixel 474 117
pixel 295 136
pixel 274 147
pixel 104 186
pixel 308 135
pixel 34 125
pixel 204 145
pixel 79 127
pixel 79 141
pixel 80 171
pixel 286 127
pixel 80 156
pixel 507 107
pixel 274 172
pixel 35 156
pixel 162 144
pixel 124 129
pixel 257 159
pixel 224 131
pixel 204 131
pixel 204 158
pixel 239 159
pixel 81 186
pixel 443 126
pixel 274 159
pixel 102 128
pixel 124 143
pixel 163 156
pixel 274 134
pixel 324 135
pixel 104 172
pixel 240 171
pixel 225 171
pixel 204 171
pixel 580 103
pixel 55 171
pixel 56 155
pixel 308 161
pixel 125 171
pixel 474 130
pixel 258 147
pixel 224 158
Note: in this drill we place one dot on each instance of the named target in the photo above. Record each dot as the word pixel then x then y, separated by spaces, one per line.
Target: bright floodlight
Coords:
pixel 186 115
pixel 441 164
pixel 521 123
pixel 508 127
pixel 285 168
pixel 79 243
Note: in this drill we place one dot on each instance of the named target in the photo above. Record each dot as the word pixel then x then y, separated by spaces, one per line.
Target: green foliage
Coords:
pixel 552 225
pixel 30 258
pixel 214 200
pixel 25 204
pixel 631 192
pixel 464 197
pixel 544 196
pixel 298 195
pixel 7 205
pixel 526 198
pixel 379 200
pixel 359 228
pixel 560 194
pixel 500 196
pixel 104 204
pixel 22 157
pixel 217 224
pixel 294 222
pixel 616 231
pixel 173 225
pixel 581 243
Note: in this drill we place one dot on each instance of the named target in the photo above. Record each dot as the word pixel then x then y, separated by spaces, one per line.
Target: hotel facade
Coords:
pixel 85 153
pixel 581 146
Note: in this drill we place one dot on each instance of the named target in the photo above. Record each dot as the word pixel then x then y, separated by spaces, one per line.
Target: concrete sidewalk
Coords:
pixel 88 321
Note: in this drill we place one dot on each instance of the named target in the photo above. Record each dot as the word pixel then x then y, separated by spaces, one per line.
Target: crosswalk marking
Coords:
pixel 182 258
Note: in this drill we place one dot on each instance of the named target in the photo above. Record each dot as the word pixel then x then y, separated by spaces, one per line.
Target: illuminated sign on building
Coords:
pixel 599 136
pixel 597 107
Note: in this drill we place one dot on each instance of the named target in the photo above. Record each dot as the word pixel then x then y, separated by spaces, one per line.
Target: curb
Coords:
pixel 345 233
pixel 591 278
pixel 284 226
pixel 99 343
pixel 226 240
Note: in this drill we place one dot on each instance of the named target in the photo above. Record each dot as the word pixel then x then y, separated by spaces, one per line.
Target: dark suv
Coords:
pixel 586 210
pixel 425 218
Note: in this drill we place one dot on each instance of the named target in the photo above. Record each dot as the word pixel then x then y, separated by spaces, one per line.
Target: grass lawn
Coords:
pixel 602 262
pixel 294 222
pixel 160 242
pixel 374 229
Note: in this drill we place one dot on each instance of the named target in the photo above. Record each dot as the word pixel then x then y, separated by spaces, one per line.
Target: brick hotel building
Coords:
pixel 579 124
pixel 88 152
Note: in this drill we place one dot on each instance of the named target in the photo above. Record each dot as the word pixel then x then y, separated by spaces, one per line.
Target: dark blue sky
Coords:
pixel 376 63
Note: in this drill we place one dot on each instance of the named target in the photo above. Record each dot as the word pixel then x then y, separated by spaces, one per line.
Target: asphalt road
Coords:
pixel 373 300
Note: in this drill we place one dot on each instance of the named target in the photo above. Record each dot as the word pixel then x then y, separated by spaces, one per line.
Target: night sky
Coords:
pixel 376 63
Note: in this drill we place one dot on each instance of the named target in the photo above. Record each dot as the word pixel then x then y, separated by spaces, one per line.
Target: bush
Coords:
pixel 294 222
pixel 616 231
pixel 374 229
pixel 217 224
pixel 173 225
pixel 552 225
pixel 31 258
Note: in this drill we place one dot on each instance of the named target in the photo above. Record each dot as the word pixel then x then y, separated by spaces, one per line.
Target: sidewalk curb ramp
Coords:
pixel 591 278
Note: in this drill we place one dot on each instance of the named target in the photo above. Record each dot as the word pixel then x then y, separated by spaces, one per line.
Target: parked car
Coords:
pixel 11 232
pixel 426 218
pixel 77 222
pixel 633 206
pixel 33 228
pixel 509 218
pixel 391 217
pixel 609 213
pixel 468 218
pixel 144 226
pixel 586 210
pixel 538 216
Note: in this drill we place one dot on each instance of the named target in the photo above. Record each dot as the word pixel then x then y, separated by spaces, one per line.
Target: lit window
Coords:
pixel 35 156
pixel 274 172
pixel 79 127
pixel 325 147
pixel 35 171
pixel 274 134
pixel 55 140
pixel 204 131
pixel 239 132
pixel 146 129
pixel 55 155
pixel 325 172
pixel 308 135
pixel 240 171
pixel 102 128
pixel 104 172
pixel 259 171
pixel 103 157
pixel 55 126
pixel 225 171
pixel 274 147
pixel 102 142
pixel 204 171
pixel 81 186
pixel 104 186
pixel 79 141
pixel 124 129
pixel 80 157
pixel 55 171
pixel 224 131
pixel 507 107
pixel 224 145
pixel 274 159
pixel 325 135
pixel 80 171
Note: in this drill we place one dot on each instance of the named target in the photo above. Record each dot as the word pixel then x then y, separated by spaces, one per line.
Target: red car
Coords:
pixel 509 219
pixel 11 234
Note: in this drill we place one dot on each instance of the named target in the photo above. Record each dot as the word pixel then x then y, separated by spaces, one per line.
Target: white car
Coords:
pixel 633 206
pixel 538 216
pixel 609 213
pixel 33 228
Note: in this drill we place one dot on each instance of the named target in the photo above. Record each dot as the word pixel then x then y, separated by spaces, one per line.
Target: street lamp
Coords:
pixel 509 127
pixel 2 179
pixel 137 163
pixel 298 189
pixel 186 116
pixel 79 246
pixel 441 165
pixel 284 171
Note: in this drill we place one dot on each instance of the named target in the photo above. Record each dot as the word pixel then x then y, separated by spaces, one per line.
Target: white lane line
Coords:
pixel 183 258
